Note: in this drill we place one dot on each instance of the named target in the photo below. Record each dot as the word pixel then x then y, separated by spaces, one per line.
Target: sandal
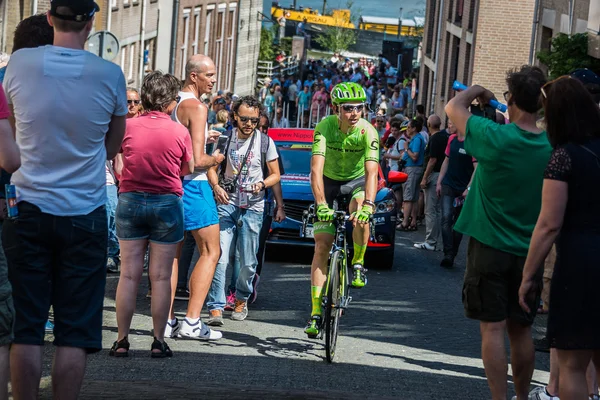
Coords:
pixel 120 344
pixel 165 351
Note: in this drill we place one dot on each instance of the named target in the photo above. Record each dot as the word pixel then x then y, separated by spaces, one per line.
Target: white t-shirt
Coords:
pixel 63 102
pixel 396 149
pixel 251 171
pixel 425 136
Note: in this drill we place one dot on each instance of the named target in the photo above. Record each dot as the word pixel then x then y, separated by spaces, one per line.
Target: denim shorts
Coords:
pixel 58 261
pixel 200 209
pixel 156 217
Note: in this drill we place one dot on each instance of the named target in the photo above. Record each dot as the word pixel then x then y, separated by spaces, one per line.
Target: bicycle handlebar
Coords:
pixel 494 103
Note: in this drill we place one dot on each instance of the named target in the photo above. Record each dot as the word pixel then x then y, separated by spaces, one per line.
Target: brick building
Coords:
pixel 473 41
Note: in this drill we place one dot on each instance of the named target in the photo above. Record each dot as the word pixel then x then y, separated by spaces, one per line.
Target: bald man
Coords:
pixel 434 158
pixel 199 208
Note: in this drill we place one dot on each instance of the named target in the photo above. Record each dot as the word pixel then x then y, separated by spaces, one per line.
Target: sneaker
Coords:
pixel 447 261
pixel 240 310
pixel 360 279
pixel 198 331
pixel 216 318
pixel 182 294
pixel 112 266
pixel 540 393
pixel 49 326
pixel 172 328
pixel 313 327
pixel 230 301
pixel 424 246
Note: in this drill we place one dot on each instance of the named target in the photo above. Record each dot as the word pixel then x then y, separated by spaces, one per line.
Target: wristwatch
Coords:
pixel 369 203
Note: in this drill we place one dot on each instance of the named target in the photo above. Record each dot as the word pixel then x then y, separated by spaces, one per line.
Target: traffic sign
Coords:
pixel 104 44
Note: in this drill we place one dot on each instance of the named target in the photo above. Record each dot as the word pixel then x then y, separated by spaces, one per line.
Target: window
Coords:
pixel 131 62
pixel 186 35
pixel 472 12
pixel 113 3
pixel 231 29
pixel 220 32
pixel 459 12
pixel 196 30
pixel 467 68
pixel 123 51
pixel 445 64
pixel 125 2
pixel 209 13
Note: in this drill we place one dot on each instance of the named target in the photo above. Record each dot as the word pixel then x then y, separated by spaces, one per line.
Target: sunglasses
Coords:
pixel 548 84
pixel 350 108
pixel 133 101
pixel 178 99
pixel 253 120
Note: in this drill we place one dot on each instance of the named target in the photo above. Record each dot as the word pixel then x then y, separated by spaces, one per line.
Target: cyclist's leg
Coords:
pixel 360 238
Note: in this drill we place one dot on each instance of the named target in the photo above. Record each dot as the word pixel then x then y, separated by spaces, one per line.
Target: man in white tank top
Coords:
pixel 200 211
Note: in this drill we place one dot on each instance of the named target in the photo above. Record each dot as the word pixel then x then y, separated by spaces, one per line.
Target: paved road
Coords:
pixel 404 336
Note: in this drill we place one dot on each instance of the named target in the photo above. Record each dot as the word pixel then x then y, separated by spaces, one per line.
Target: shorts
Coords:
pixel 412 184
pixel 333 188
pixel 199 207
pixel 491 286
pixel 156 217
pixel 60 262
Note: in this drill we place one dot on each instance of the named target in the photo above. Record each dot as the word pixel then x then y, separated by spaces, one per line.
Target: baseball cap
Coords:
pixel 82 10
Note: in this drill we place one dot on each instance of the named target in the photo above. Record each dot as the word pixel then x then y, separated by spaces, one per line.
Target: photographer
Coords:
pixel 499 215
pixel 249 169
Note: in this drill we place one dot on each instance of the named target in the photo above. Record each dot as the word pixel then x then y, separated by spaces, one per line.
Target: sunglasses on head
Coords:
pixel 133 101
pixel 350 108
pixel 178 99
pixel 253 120
pixel 546 87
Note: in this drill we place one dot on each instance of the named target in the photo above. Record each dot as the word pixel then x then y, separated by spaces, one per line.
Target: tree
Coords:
pixel 266 51
pixel 336 38
pixel 566 54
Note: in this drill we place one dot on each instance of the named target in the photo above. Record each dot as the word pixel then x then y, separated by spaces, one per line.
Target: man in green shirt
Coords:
pixel 499 215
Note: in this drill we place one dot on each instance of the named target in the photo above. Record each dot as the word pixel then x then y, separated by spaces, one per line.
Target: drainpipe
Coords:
pixel 571 13
pixel 174 28
pixel 534 29
pixel 142 38
pixel 34 7
pixel 109 16
pixel 437 55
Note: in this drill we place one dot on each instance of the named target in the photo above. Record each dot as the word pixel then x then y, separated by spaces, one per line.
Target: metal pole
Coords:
pixel 324 6
pixel 298 118
pixel 142 40
pixel 400 23
pixel 174 28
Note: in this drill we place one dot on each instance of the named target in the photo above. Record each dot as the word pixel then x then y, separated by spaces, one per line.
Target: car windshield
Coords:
pixel 296 160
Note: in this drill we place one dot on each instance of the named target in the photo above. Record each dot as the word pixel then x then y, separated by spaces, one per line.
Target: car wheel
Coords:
pixel 381 259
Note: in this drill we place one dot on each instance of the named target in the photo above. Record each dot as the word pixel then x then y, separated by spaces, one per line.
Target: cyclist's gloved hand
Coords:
pixel 364 214
pixel 324 213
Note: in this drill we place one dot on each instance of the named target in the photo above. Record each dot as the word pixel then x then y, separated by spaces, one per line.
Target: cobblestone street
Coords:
pixel 404 336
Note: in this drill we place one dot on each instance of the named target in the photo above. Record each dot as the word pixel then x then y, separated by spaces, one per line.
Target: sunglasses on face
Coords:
pixel 133 102
pixel 546 87
pixel 350 108
pixel 253 120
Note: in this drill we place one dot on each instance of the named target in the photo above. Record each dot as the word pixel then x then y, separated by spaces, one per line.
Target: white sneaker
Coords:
pixel 199 331
pixel 540 393
pixel 424 246
pixel 172 328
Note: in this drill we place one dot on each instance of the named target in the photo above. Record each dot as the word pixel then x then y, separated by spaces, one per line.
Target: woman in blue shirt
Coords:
pixel 414 155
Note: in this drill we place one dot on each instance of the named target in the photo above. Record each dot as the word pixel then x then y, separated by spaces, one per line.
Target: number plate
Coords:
pixel 309 232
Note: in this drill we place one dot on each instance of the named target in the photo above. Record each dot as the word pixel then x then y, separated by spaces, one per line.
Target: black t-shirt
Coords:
pixel 460 165
pixel 436 148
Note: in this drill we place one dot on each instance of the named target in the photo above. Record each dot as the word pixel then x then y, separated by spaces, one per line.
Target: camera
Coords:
pixel 229 185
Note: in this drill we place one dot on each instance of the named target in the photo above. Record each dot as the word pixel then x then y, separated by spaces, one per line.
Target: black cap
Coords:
pixel 82 10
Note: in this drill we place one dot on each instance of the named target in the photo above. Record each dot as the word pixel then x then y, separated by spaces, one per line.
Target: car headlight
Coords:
pixel 385 206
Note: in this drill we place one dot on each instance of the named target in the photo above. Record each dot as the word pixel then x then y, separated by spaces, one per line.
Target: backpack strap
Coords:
pixel 264 148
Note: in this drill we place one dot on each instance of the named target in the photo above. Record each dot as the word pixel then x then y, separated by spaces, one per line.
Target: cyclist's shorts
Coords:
pixel 333 188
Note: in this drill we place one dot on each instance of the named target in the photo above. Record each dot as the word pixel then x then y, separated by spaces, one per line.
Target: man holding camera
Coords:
pixel 499 215
pixel 249 169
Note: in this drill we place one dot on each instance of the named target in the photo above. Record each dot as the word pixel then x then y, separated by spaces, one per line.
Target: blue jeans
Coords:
pixel 450 215
pixel 111 209
pixel 233 237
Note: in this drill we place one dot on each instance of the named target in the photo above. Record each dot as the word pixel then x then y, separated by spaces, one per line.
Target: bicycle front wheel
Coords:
pixel 333 310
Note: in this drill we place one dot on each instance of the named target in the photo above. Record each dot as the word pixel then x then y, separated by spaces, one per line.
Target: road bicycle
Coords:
pixel 336 297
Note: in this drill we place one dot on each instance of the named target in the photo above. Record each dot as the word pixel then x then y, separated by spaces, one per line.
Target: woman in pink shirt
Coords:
pixel 319 105
pixel 155 153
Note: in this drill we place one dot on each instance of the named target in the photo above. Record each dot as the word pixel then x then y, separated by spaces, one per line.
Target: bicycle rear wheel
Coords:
pixel 333 310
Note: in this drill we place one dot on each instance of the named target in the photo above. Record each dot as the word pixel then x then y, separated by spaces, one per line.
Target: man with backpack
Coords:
pixel 250 167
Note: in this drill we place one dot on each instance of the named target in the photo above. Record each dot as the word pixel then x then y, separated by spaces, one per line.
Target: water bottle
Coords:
pixel 494 103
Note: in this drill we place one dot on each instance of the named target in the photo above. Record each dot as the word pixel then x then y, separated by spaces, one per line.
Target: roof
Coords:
pixel 386 21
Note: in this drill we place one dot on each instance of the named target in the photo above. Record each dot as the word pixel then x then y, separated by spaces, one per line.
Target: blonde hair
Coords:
pixel 222 116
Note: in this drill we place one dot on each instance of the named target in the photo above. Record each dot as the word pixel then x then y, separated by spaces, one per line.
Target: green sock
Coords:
pixel 316 300
pixel 359 254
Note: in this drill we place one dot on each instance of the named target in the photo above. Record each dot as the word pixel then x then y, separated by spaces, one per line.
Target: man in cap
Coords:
pixel 56 248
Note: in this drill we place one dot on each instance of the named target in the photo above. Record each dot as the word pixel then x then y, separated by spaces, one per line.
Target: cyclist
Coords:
pixel 345 152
